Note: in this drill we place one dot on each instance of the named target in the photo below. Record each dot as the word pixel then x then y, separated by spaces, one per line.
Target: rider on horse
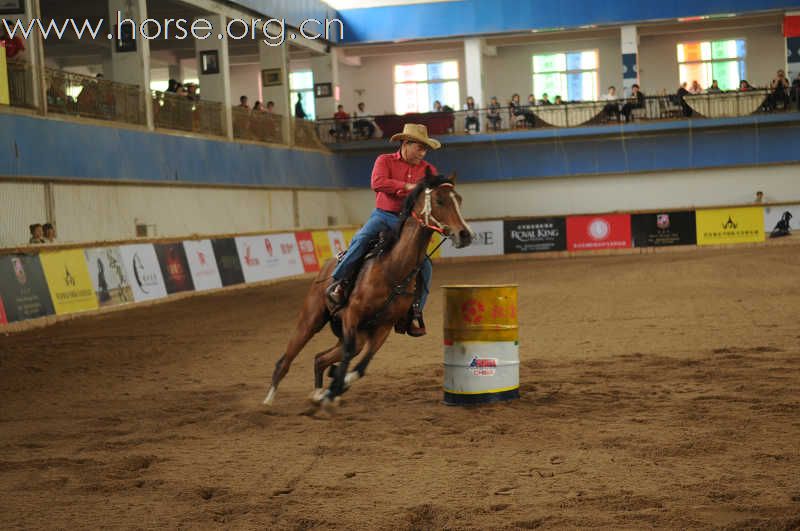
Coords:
pixel 393 177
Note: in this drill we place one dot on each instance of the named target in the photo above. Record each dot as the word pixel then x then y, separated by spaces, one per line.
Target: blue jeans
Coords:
pixel 378 222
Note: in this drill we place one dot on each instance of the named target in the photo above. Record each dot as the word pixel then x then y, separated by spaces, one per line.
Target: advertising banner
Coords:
pixel 109 280
pixel 305 244
pixel 586 233
pixel 488 241
pixel 778 218
pixel 535 235
pixel 337 242
pixel 322 246
pixel 68 278
pixel 269 257
pixel 228 264
pixel 23 288
pixel 348 236
pixel 3 318
pixel 174 267
pixel 202 264
pixel 661 229
pixel 730 225
pixel 143 271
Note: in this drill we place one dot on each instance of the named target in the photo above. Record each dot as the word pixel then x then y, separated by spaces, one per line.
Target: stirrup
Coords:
pixel 329 293
pixel 417 330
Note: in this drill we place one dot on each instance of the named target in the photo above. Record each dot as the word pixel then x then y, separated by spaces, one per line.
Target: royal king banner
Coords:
pixel 721 226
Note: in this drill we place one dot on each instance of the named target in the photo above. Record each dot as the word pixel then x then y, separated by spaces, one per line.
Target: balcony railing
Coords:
pixel 305 134
pixel 257 126
pixel 572 114
pixel 20 84
pixel 172 111
pixel 90 97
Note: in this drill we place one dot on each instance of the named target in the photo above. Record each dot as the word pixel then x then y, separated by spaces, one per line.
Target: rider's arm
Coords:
pixel 382 182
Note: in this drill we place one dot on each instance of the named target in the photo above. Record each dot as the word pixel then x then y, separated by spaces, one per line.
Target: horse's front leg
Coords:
pixel 374 344
pixel 348 353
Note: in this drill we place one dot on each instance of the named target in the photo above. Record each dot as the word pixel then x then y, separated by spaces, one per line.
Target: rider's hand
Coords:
pixel 410 186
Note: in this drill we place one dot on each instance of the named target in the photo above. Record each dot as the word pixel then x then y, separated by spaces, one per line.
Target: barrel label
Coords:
pixel 483 366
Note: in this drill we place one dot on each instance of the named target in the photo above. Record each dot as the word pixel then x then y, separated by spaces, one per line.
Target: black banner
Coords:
pixel 230 269
pixel 23 288
pixel 174 267
pixel 535 235
pixel 665 228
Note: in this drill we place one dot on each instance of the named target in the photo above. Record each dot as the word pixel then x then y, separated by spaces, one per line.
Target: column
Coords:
pixel 325 69
pixel 274 61
pixel 213 69
pixel 130 59
pixel 35 84
pixel 473 66
pixel 791 29
pixel 630 58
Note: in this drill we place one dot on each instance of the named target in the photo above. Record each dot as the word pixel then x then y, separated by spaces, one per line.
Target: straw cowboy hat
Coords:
pixel 416 133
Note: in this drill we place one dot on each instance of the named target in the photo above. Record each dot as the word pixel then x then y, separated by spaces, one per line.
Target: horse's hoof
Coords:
pixel 350 378
pixel 317 395
pixel 329 404
pixel 270 397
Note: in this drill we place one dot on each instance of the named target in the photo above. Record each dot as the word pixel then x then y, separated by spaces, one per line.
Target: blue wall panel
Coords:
pixel 293 11
pixel 469 17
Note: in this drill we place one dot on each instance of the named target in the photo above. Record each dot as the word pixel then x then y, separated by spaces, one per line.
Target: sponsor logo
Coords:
pixel 69 280
pixel 19 271
pixel 268 245
pixel 249 260
pixel 337 245
pixel 143 278
pixel 599 229
pixel 201 257
pixel 287 248
pixel 662 221
pixel 483 366
pixel 472 311
pixel 483 238
pixel 730 224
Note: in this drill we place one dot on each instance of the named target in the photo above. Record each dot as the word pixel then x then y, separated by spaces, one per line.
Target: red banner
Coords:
pixel 3 318
pixel 306 246
pixel 586 233
pixel 791 26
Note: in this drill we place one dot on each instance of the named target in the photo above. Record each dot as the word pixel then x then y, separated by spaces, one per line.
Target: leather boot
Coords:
pixel 416 328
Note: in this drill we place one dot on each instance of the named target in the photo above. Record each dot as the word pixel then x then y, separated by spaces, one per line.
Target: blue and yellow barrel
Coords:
pixel 481 344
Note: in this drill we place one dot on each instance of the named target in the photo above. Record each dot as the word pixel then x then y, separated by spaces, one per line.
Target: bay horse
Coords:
pixel 382 293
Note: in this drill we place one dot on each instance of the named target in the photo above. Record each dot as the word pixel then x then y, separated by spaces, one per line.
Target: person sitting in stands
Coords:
pixel 299 112
pixel 342 123
pixel 258 108
pixel 545 100
pixel 437 106
pixel 191 92
pixel 49 233
pixel 714 88
pixel 494 114
pixel 365 125
pixel 172 86
pixel 744 86
pixel 612 107
pixel 681 95
pixel 243 103
pixel 780 91
pixel 14 45
pixel 516 110
pixel 558 100
pixel 796 90
pixel 471 123
pixel 636 102
pixel 37 233
pixel 696 88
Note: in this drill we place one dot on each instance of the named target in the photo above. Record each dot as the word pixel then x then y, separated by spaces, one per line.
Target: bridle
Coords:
pixel 425 216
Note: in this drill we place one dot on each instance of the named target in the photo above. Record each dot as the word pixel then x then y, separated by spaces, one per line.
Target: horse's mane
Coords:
pixel 389 238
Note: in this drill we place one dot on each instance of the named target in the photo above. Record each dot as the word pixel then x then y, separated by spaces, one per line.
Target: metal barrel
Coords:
pixel 481 344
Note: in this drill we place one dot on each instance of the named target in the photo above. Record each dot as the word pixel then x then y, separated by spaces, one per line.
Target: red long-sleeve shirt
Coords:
pixel 389 178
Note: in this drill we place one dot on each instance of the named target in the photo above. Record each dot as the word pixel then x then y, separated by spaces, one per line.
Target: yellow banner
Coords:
pixel 69 282
pixel 730 225
pixel 4 96
pixel 322 246
pixel 348 236
pixel 434 242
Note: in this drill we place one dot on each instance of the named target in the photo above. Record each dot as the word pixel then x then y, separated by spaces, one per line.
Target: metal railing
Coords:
pixel 172 111
pixel 305 134
pixel 569 114
pixel 258 126
pixel 91 97
pixel 20 84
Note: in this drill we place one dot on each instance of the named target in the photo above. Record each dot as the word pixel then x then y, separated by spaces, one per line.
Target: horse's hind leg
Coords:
pixel 374 343
pixel 322 361
pixel 312 318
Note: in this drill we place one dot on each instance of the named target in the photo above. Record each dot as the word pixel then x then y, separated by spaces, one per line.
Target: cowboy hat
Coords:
pixel 416 133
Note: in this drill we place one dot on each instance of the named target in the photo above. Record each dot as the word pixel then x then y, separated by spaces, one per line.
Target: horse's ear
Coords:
pixel 428 173
pixel 452 176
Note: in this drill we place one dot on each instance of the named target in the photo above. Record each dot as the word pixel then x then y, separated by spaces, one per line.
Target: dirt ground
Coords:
pixel 657 390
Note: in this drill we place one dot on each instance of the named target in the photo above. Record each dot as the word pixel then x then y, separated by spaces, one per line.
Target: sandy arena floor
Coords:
pixel 657 390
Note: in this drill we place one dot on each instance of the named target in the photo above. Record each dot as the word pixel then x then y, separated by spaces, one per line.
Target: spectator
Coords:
pixel 471 122
pixel 744 86
pixel 796 90
pixel 780 91
pixel 519 113
pixel 298 107
pixel 258 108
pixel 680 96
pixel 696 88
pixel 49 232
pixel 759 197
pixel 447 108
pixel 714 88
pixel 365 125
pixel 494 114
pixel 531 101
pixel 558 100
pixel 437 106
pixel 14 45
pixel 37 233
pixel 172 86
pixel 545 100
pixel 612 107
pixel 191 92
pixel 636 101
pixel 244 103
pixel 270 107
pixel 342 120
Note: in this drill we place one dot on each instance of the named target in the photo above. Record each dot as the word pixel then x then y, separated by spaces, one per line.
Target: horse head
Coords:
pixel 437 206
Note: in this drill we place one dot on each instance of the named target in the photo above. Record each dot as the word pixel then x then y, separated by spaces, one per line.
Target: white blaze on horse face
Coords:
pixel 460 217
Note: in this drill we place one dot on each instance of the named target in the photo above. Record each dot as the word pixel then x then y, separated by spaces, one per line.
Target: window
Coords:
pixel 706 61
pixel 571 75
pixel 417 86
pixel 303 83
